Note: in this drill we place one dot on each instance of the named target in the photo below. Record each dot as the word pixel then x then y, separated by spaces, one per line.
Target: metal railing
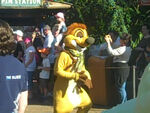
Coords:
pixel 133 77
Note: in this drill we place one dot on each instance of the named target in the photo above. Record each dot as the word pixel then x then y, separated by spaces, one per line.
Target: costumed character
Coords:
pixel 72 77
pixel 141 104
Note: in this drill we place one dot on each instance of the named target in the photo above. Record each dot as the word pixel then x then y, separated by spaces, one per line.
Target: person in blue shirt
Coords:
pixel 13 77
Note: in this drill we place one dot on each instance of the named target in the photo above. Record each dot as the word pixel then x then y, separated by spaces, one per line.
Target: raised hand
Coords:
pixel 108 39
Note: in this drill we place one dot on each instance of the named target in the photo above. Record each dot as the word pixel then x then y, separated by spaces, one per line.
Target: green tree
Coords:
pixel 101 16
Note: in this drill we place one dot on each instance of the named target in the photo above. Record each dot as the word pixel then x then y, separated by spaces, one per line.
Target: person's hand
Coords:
pixel 33 35
pixel 39 67
pixel 108 39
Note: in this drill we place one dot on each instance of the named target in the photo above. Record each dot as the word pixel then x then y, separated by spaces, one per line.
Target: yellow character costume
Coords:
pixel 71 73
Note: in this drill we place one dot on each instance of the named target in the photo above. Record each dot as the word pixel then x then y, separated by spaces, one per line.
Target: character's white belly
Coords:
pixel 72 93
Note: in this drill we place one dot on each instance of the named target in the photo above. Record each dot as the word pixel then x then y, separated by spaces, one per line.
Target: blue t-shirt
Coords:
pixel 13 81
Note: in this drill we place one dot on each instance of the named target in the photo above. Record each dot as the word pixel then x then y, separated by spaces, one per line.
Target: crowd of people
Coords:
pixel 118 47
pixel 35 51
pixel 39 51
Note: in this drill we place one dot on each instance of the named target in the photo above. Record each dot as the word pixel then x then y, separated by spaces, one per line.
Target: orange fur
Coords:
pixel 74 26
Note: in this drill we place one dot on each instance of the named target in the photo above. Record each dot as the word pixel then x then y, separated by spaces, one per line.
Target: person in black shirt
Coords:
pixel 135 55
pixel 19 52
pixel 141 48
pixel 37 38
pixel 37 41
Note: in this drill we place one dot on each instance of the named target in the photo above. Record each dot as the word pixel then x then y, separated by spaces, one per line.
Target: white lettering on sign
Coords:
pixel 13 77
pixel 8 77
pixel 20 2
pixel 16 77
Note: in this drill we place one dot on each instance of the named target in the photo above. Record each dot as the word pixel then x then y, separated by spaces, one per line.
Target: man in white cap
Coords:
pixel 49 42
pixel 19 52
pixel 48 37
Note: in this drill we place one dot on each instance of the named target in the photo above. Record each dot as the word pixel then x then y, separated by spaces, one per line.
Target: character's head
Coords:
pixel 7 42
pixel 77 37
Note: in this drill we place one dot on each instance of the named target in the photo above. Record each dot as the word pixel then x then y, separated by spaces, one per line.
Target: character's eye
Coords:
pixel 79 33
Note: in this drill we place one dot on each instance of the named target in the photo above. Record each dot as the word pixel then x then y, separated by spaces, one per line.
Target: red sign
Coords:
pixel 144 2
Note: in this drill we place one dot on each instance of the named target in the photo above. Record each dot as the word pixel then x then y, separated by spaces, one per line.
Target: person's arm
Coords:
pixel 115 52
pixel 31 54
pixel 42 39
pixel 23 102
pixel 62 64
pixel 33 36
pixel 20 51
pixel 139 56
pixel 44 68
pixel 50 41
pixel 20 54
pixel 46 65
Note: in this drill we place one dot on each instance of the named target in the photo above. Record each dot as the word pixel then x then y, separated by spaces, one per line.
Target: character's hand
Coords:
pixel 88 83
pixel 82 75
pixel 80 82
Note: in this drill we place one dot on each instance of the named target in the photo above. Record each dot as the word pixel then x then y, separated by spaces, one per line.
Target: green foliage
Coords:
pixel 101 16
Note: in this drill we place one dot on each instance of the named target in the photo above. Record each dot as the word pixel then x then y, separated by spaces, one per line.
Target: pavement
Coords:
pixel 49 109
pixel 37 105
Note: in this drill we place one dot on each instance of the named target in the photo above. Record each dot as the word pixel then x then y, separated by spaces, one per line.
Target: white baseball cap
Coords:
pixel 60 15
pixel 18 32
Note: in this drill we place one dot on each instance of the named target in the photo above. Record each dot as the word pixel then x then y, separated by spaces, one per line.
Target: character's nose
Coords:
pixel 90 40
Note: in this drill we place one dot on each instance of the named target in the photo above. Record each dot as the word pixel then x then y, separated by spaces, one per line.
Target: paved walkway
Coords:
pixel 36 106
pixel 49 109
